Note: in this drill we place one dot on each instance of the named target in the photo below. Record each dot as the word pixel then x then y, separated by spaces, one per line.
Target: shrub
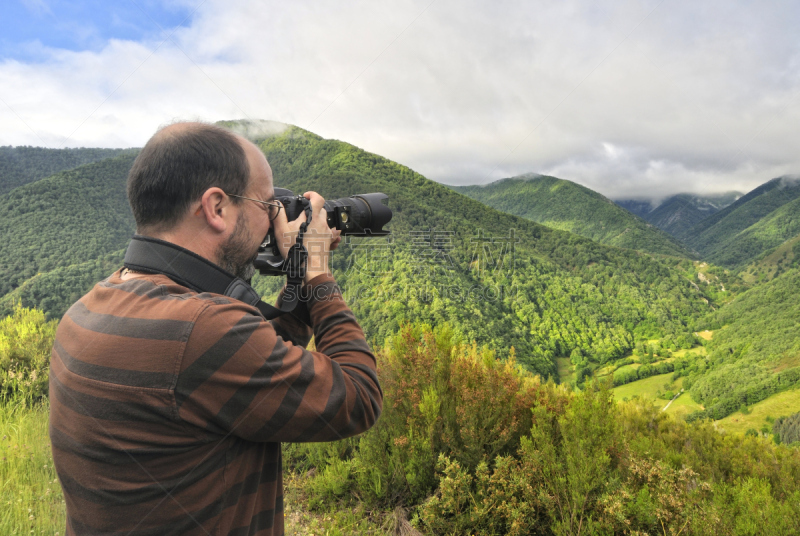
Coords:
pixel 573 455
pixel 787 428
pixel 472 445
pixel 556 478
pixel 440 397
pixel 26 338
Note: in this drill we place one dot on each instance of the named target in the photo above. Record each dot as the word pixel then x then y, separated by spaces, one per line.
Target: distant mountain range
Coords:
pixel 752 225
pixel 565 205
pixel 730 229
pixel 677 214
pixel 21 165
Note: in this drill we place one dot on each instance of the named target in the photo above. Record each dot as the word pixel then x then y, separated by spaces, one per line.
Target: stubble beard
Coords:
pixel 236 255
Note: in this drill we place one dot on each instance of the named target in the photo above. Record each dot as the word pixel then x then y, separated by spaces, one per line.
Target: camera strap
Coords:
pixel 154 256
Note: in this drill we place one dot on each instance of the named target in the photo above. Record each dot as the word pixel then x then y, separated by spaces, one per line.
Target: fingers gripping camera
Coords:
pixel 358 215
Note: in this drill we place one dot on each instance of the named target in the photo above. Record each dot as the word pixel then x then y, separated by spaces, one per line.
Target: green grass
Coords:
pixel 31 501
pixel 778 405
pixel 683 405
pixel 697 351
pixel 707 334
pixel 648 389
pixel 645 388
pixel 30 495
pixel 625 368
pixel 565 370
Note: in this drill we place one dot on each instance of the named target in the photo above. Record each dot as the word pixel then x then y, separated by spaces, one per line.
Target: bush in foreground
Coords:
pixel 471 445
pixel 26 337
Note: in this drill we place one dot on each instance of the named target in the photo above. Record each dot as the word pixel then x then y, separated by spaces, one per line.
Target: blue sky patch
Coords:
pixel 27 25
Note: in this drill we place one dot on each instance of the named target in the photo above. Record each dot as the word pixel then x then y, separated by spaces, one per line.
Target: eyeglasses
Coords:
pixel 274 206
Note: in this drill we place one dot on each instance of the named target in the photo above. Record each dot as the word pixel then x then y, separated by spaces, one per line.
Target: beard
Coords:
pixel 237 254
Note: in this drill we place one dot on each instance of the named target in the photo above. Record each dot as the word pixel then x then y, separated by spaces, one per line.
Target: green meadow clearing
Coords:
pixel 650 387
pixel 778 405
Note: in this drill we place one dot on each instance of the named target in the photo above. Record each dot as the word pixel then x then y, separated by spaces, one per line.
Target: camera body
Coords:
pixel 357 215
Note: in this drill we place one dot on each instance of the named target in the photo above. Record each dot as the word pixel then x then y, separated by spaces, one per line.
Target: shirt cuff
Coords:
pixel 321 288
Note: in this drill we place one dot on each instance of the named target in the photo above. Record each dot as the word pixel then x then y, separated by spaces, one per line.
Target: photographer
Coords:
pixel 169 404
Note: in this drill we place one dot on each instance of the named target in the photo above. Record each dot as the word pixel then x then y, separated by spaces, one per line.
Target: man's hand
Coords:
pixel 319 239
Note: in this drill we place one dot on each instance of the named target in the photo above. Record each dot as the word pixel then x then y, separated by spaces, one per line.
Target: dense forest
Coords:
pixel 755 350
pixel 71 217
pixel 21 165
pixel 561 204
pixel 498 279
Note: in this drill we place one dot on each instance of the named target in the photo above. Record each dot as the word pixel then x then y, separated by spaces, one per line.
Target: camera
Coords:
pixel 357 215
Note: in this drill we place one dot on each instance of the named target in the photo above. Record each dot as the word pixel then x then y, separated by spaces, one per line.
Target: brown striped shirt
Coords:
pixel 168 407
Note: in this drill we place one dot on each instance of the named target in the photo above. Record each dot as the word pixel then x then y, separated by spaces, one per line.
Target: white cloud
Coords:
pixel 628 98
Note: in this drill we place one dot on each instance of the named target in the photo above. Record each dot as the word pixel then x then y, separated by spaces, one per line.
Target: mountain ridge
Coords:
pixel 24 164
pixel 565 205
pixel 726 237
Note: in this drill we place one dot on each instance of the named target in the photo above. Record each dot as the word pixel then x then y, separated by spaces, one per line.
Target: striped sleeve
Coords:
pixel 239 377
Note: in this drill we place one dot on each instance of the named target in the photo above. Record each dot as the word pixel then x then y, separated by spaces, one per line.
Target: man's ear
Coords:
pixel 214 207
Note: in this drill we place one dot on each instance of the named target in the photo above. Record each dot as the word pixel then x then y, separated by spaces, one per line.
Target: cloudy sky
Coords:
pixel 630 98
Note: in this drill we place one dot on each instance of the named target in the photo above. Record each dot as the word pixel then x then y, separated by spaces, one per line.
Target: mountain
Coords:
pixel 638 207
pixel 497 279
pixel 561 204
pixel 752 225
pixel 557 293
pixel 679 213
pixel 69 218
pixel 21 165
pixel 774 262
pixel 755 349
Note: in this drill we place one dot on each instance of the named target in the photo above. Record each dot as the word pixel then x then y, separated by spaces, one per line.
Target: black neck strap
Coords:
pixel 151 255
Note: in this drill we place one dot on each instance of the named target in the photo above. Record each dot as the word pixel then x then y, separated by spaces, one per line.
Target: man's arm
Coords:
pixel 239 377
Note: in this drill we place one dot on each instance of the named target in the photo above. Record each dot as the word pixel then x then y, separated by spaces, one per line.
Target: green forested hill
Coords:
pixel 21 165
pixel 767 233
pixel 639 207
pixel 54 291
pixel 72 217
pixel 555 294
pixel 677 214
pixel 499 279
pixel 725 238
pixel 755 350
pixel 564 205
pixel 774 262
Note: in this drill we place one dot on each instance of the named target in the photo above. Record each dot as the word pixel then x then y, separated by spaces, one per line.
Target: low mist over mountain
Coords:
pixel 562 204
pixel 680 212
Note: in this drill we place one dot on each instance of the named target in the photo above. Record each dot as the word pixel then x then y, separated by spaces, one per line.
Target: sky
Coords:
pixel 634 99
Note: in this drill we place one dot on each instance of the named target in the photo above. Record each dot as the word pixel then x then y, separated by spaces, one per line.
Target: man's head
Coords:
pixel 182 186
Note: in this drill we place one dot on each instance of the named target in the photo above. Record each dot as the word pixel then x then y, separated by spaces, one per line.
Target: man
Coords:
pixel 168 405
